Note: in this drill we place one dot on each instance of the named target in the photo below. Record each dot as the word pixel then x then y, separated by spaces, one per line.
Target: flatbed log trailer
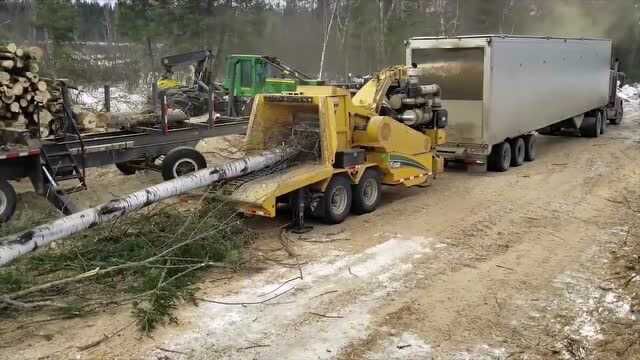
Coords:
pixel 502 90
pixel 49 162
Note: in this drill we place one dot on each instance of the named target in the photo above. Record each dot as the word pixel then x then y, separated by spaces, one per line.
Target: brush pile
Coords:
pixel 22 92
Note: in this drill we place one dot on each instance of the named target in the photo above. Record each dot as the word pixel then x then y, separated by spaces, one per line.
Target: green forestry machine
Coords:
pixel 245 76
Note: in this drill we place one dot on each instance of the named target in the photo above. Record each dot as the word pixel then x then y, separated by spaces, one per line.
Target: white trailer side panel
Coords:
pixel 537 82
pixel 499 87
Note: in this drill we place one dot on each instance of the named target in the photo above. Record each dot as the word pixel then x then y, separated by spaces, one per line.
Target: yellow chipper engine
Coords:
pixel 346 147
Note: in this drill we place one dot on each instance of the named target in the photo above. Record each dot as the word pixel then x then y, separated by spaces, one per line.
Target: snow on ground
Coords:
pixel 122 100
pixel 631 96
pixel 346 287
pixel 594 302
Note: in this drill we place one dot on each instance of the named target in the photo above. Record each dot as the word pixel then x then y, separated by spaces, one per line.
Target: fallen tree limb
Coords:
pixel 326 316
pixel 245 303
pixel 14 246
pixel 98 271
pixel 104 338
pixel 32 305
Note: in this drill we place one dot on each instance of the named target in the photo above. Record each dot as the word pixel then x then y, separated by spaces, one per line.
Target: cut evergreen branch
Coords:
pixel 150 261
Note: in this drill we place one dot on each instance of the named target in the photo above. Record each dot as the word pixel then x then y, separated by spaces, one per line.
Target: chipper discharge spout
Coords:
pixel 16 245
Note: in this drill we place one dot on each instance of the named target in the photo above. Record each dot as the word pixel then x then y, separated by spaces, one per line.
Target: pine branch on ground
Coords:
pixel 152 261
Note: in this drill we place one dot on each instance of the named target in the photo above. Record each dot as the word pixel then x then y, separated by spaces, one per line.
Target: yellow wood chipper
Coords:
pixel 348 147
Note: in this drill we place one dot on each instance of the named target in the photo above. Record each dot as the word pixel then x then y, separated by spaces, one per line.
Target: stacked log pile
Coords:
pixel 22 92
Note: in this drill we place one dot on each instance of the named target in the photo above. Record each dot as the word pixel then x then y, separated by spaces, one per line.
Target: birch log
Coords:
pixel 22 243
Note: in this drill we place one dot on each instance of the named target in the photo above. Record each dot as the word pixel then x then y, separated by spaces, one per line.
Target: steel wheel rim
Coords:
pixel 4 202
pixel 183 167
pixel 369 192
pixel 338 201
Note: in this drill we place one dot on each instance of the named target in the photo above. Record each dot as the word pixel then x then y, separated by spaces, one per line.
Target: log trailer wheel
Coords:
pixel 182 161
pixel 7 201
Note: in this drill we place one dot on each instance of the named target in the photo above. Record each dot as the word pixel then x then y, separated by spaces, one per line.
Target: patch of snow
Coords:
pixel 620 305
pixel 619 230
pixel 629 92
pixel 591 303
pixel 351 287
pixel 121 99
pixel 585 297
pixel 631 96
pixel 407 346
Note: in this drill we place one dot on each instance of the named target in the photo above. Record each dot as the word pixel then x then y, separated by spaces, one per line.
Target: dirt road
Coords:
pixel 477 266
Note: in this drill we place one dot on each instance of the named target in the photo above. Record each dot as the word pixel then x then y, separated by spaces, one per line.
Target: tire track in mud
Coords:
pixel 481 304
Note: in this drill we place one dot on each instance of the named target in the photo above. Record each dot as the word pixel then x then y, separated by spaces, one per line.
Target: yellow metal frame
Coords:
pixel 403 155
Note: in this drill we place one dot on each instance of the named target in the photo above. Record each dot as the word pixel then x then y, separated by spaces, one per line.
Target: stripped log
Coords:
pixel 20 85
pixel 4 77
pixel 17 89
pixel 7 64
pixel 15 107
pixel 10 48
pixel 33 53
pixel 8 98
pixel 86 120
pixel 11 247
pixel 32 67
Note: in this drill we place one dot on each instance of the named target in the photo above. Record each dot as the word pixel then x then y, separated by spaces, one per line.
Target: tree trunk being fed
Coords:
pixel 16 245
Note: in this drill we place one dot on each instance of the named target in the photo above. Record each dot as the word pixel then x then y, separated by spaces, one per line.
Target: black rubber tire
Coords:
pixel 530 151
pixel 603 122
pixel 500 158
pixel 336 214
pixel 591 126
pixel 517 151
pixel 126 168
pixel 367 193
pixel 182 161
pixel 8 201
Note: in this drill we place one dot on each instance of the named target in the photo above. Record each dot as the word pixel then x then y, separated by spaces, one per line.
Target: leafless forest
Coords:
pixel 112 41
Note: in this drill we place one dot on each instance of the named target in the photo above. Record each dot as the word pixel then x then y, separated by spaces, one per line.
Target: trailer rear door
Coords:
pixel 460 73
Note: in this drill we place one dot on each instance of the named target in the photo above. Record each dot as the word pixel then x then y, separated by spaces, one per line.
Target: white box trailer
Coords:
pixel 499 90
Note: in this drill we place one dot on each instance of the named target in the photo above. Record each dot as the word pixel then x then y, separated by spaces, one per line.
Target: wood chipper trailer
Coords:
pixel 347 147
pixel 56 165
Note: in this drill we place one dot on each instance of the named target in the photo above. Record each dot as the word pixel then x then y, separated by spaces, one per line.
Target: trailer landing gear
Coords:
pixel 60 200
pixel 297 203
